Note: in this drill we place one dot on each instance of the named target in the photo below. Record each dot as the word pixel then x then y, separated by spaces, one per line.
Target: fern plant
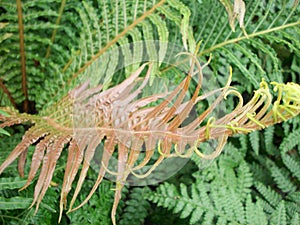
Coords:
pixel 229 192
pixel 62 44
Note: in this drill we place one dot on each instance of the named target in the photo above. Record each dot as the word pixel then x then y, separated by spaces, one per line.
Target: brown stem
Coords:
pixel 7 92
pixel 22 54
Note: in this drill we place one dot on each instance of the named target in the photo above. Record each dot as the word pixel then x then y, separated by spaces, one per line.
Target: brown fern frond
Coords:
pixel 55 148
pixel 13 118
pixel 126 124
pixel 30 137
pixel 36 160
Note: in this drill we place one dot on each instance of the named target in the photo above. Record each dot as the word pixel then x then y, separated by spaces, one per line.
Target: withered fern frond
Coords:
pixel 126 124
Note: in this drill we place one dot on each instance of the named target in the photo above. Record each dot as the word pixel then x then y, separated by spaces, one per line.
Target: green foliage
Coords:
pixel 11 183
pixel 14 203
pixel 65 39
pixel 254 57
pixel 291 141
pixel 234 189
pixel 136 207
pixel 220 195
pixel 97 211
pixel 14 206
pixel 254 141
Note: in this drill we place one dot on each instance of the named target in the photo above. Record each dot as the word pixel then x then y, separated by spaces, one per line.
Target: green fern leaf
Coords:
pixel 11 183
pixel 290 141
pixel 245 179
pixel 261 19
pixel 279 175
pixel 2 131
pixel 292 164
pixel 279 216
pixel 136 207
pixel 270 195
pixel 254 141
pixel 14 203
pixel 295 219
pixel 204 203
pixel 255 209
pixel 269 139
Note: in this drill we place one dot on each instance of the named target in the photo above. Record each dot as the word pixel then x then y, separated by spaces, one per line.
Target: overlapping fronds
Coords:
pixel 277 181
pixel 210 204
pixel 270 28
pixel 66 40
pixel 123 124
pixel 258 192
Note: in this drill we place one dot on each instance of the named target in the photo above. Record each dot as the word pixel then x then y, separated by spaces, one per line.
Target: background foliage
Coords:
pixel 256 179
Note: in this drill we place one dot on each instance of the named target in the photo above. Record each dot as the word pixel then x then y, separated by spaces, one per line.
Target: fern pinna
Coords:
pixel 124 124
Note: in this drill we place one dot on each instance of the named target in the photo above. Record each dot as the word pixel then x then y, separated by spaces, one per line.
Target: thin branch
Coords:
pixel 62 6
pixel 222 44
pixel 22 54
pixel 7 92
pixel 117 38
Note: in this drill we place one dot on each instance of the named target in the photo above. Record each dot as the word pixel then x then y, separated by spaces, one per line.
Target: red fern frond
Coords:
pixel 125 123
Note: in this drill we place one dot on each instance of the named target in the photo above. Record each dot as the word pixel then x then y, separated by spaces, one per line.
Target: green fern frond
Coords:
pixel 254 141
pixel 292 164
pixel 267 28
pixel 207 204
pixel 251 208
pixel 136 207
pixel 121 22
pixel 210 199
pixel 269 140
pixel 271 199
pixel 11 183
pixel 75 39
pixel 14 203
pixel 280 175
pixel 89 214
pixel 292 140
pixel 270 195
pixel 279 215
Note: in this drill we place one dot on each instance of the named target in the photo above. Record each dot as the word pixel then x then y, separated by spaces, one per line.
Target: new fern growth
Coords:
pixel 128 128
